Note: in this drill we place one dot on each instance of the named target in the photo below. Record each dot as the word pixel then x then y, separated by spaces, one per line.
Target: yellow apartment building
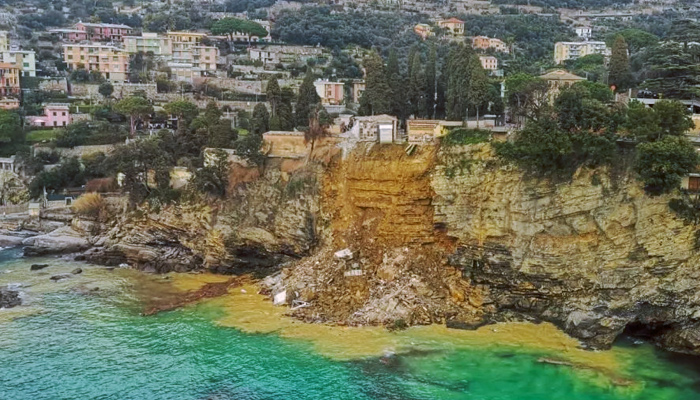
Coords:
pixel 110 61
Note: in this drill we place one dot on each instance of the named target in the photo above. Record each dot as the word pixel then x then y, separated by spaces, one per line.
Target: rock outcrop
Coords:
pixel 9 298
pixel 594 255
pixel 263 224
pixel 61 240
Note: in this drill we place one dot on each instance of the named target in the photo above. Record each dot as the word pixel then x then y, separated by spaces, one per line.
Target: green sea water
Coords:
pixel 70 342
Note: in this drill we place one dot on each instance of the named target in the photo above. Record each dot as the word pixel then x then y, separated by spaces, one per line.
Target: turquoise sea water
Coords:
pixel 79 344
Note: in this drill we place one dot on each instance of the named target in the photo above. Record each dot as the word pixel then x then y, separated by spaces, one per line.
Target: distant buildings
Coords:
pixel 187 57
pixel 357 88
pixel 83 31
pixel 331 93
pixel 558 79
pixel 572 50
pixel 453 25
pixel 485 43
pixel 423 30
pixel 9 103
pixel 103 32
pixel 9 79
pixel 489 63
pixel 275 54
pixel 23 60
pixel 112 62
pixel 160 46
pixel 584 32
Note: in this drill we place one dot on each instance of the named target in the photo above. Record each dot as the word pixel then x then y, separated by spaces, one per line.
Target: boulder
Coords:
pixel 77 271
pixel 10 241
pixel 61 240
pixel 37 267
pixel 9 298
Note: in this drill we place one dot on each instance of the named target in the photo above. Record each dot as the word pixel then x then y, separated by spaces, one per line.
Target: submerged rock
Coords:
pixel 59 277
pixel 9 298
pixel 37 267
pixel 77 271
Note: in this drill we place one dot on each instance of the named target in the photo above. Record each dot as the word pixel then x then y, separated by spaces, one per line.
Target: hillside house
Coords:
pixel 55 115
pixel 558 79
pixel 485 43
pixel 423 30
pixel 453 25
pixel 331 93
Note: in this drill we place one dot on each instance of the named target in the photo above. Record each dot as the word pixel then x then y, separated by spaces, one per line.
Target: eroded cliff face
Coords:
pixel 593 255
pixel 379 204
pixel 265 222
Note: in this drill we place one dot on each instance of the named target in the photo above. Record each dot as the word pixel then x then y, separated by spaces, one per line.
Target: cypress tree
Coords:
pixel 417 87
pixel 307 100
pixel 285 113
pixel 261 120
pixel 274 95
pixel 396 85
pixel 619 70
pixel 430 81
pixel 375 99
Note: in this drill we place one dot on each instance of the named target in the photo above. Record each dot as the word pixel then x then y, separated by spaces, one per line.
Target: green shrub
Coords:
pixel 461 136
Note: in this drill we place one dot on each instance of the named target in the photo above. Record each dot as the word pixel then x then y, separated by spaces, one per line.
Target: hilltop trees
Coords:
pixel 229 26
pixel 526 96
pixel 467 83
pixel 374 100
pixel 137 108
pixel 671 69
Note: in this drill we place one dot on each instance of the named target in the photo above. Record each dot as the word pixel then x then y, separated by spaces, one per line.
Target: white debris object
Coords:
pixel 280 298
pixel 345 254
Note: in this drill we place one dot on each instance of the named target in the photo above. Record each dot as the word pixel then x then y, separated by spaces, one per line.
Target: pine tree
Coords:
pixel 619 70
pixel 375 99
pixel 307 100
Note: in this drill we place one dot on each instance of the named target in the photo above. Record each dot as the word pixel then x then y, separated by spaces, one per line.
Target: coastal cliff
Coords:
pixel 438 235
pixel 594 255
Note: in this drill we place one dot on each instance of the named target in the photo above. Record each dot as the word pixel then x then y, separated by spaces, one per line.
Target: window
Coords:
pixel 694 183
pixel 54 113
pixel 70 56
pixel 63 113
pixel 55 123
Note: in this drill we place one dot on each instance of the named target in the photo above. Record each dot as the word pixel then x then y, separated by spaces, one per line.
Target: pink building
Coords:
pixel 331 93
pixel 55 115
pixel 101 32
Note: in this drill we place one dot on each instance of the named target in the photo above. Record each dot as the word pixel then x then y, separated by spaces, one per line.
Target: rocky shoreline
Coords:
pixel 427 245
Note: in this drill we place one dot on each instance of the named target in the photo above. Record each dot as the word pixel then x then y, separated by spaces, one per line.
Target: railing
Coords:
pixel 14 208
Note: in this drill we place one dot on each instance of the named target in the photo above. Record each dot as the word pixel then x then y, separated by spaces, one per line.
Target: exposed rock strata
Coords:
pixel 593 255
